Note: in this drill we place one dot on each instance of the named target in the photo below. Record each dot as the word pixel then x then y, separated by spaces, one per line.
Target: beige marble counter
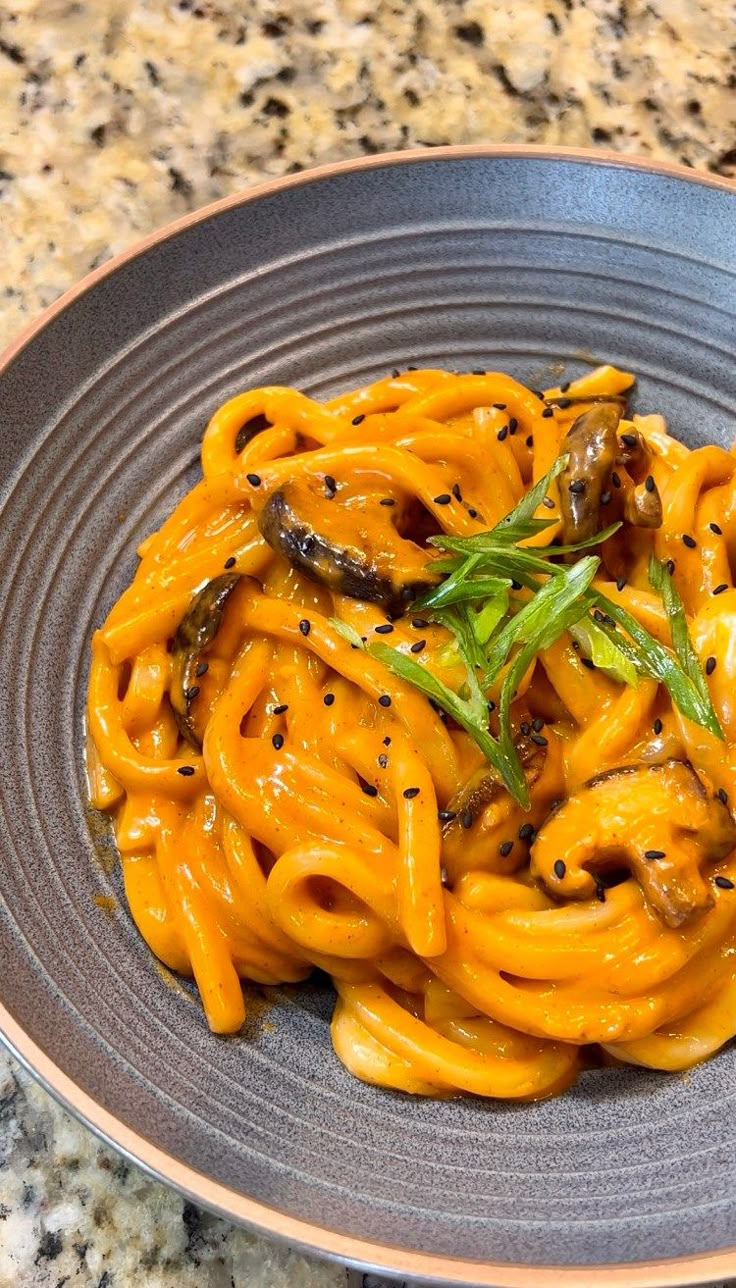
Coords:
pixel 117 116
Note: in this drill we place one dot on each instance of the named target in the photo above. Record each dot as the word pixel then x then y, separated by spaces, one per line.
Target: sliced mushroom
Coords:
pixel 606 478
pixel 249 429
pixel 196 630
pixel 339 548
pixel 591 444
pixel 656 820
pixel 642 507
pixel 487 829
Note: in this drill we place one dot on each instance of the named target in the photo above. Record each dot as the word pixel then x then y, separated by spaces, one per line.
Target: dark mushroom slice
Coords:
pixel 483 830
pixel 591 444
pixel 197 628
pixel 342 549
pixel 658 821
pixel 249 429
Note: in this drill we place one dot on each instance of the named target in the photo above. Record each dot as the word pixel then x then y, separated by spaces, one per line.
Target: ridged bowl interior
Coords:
pixel 513 262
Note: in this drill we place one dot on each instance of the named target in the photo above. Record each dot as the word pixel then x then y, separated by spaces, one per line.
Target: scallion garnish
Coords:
pixel 493 628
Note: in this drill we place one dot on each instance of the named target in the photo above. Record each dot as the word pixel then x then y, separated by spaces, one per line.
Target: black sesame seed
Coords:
pixel 384 700
pixel 501 435
pixel 281 708
pixel 655 854
pixel 358 420
pixel 387 741
pixel 466 820
pixel 629 439
pixel 383 760
pixel 446 815
pixel 715 528
pixel 720 588
pixel 456 492
pixel 606 498
pixel 478 371
pixel 615 479
pixel 278 741
pixel 419 623
pixel 598 615
pixel 525 728
pixel 722 795
pixel 254 479
pixel 564 388
pixel 724 883
pixel 499 406
pixel 410 792
pixel 539 740
pixel 657 726
pixel 577 486
pixel 369 789
pixel 548 503
pixel 526 832
pixel 387 500
pixel 548 411
pixel 689 541
pixel 538 724
pixel 491 705
pixel 192 692
pixel 513 425
pixel 670 566
pixel 505 848
pixel 330 483
pixel 186 771
pixel 649 483
pixel 472 513
pixel 710 665
pixel 328 699
pixel 564 402
pixel 229 563
pixel 586 662
pixel 560 868
pixel 529 440
pixel 385 629
pixel 600 893
pixel 202 669
pixel 417 648
pixel 305 626
pixel 620 583
pixel 443 499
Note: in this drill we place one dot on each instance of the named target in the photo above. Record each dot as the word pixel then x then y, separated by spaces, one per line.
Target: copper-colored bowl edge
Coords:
pixel 671 1273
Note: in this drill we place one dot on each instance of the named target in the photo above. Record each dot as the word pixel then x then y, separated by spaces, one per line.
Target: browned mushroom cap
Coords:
pixel 656 820
pixel 343 549
pixel 197 629
pixel 591 444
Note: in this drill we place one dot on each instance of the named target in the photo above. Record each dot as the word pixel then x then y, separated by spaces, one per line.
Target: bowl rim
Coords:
pixel 157 1163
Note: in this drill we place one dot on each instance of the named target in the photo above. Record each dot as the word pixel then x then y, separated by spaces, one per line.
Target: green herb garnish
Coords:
pixel 492 628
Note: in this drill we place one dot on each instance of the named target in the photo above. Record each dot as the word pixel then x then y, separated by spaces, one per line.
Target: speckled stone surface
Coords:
pixel 116 117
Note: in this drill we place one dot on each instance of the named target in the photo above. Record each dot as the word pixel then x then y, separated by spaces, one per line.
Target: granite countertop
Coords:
pixel 118 115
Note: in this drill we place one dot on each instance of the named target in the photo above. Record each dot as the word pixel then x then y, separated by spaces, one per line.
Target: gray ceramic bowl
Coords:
pixel 516 258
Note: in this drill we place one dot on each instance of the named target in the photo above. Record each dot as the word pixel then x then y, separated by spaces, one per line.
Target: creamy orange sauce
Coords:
pixel 307 829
